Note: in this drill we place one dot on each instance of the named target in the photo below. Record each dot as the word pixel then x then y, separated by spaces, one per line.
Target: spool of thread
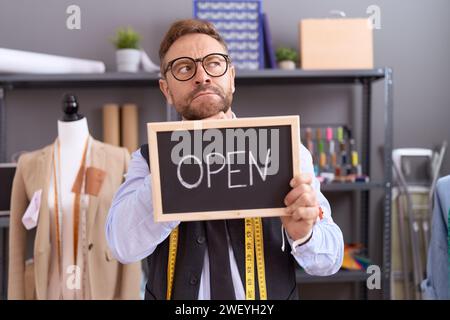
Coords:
pixel 323 160
pixel 318 134
pixel 329 134
pixel 320 146
pixel 331 143
pixel 343 158
pixel 340 134
pixel 111 124
pixel 358 170
pixel 308 134
pixel 333 160
pixel 337 171
pixel 354 158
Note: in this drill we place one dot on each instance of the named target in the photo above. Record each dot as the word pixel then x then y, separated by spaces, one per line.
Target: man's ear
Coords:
pixel 164 87
pixel 232 75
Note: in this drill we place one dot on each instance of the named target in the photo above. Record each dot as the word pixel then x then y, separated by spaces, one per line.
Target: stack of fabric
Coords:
pixel 352 258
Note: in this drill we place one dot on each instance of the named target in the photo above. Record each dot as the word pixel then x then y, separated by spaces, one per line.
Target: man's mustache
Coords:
pixel 205 88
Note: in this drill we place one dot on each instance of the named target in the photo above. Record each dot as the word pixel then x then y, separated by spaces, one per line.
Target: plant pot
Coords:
pixel 128 60
pixel 286 65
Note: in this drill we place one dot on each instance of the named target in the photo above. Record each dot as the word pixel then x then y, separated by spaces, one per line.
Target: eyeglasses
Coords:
pixel 185 68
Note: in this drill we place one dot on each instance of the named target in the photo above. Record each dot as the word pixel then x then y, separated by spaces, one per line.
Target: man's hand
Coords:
pixel 301 206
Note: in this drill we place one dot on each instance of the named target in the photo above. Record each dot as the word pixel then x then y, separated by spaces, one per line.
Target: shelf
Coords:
pixel 146 79
pixel 356 186
pixel 340 276
pixel 88 80
pixel 277 76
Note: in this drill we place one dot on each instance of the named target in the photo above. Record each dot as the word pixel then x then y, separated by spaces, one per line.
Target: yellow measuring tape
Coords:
pixel 173 243
pixel 249 260
pixel 253 244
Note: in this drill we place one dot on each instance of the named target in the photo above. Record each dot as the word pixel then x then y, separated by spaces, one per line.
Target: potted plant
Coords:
pixel 286 58
pixel 128 54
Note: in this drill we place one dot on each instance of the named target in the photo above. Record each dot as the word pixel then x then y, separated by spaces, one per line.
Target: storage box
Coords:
pixel 336 44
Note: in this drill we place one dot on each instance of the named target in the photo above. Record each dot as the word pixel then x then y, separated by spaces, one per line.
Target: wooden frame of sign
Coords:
pixel 155 128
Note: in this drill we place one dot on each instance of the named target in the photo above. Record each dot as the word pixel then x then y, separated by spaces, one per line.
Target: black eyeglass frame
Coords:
pixel 170 64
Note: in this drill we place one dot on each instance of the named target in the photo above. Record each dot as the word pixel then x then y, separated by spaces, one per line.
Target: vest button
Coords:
pixel 90 246
pixel 201 239
pixel 193 281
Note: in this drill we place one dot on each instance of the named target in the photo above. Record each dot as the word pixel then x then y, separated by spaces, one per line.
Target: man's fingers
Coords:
pixel 303 178
pixel 305 213
pixel 304 200
pixel 296 192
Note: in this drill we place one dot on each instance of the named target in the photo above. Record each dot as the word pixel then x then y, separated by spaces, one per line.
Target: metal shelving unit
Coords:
pixel 4 223
pixel 145 79
pixel 4 219
pixel 357 186
pixel 364 78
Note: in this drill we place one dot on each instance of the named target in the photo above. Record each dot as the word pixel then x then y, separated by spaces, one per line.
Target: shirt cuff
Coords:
pixel 299 242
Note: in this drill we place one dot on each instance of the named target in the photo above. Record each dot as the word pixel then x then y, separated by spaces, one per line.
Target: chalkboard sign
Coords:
pixel 222 169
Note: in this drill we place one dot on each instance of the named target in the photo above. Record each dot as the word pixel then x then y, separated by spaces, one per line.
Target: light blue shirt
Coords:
pixel 132 233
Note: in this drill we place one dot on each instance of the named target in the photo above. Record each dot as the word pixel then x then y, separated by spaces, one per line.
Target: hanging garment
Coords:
pixel 29 278
pixel 436 285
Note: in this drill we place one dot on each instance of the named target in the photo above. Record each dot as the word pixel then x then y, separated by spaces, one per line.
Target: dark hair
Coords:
pixel 184 27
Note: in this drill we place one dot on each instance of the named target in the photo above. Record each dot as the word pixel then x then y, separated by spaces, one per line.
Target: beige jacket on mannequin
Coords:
pixel 108 278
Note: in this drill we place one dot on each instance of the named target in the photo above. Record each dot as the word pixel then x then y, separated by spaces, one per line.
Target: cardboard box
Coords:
pixel 336 44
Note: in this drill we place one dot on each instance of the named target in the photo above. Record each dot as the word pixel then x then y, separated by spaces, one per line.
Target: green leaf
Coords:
pixel 126 38
pixel 284 53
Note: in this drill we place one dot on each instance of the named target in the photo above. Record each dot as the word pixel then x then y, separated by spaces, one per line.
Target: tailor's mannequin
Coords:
pixel 72 136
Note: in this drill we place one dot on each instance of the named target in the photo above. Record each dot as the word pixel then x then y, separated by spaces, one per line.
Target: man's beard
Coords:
pixel 205 109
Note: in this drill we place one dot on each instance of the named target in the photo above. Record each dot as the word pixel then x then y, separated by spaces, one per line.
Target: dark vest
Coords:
pixel 192 245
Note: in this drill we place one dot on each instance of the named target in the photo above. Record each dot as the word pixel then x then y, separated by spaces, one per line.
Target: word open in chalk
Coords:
pixel 234 151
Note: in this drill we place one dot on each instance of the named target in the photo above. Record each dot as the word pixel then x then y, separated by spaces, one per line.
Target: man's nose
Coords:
pixel 201 76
